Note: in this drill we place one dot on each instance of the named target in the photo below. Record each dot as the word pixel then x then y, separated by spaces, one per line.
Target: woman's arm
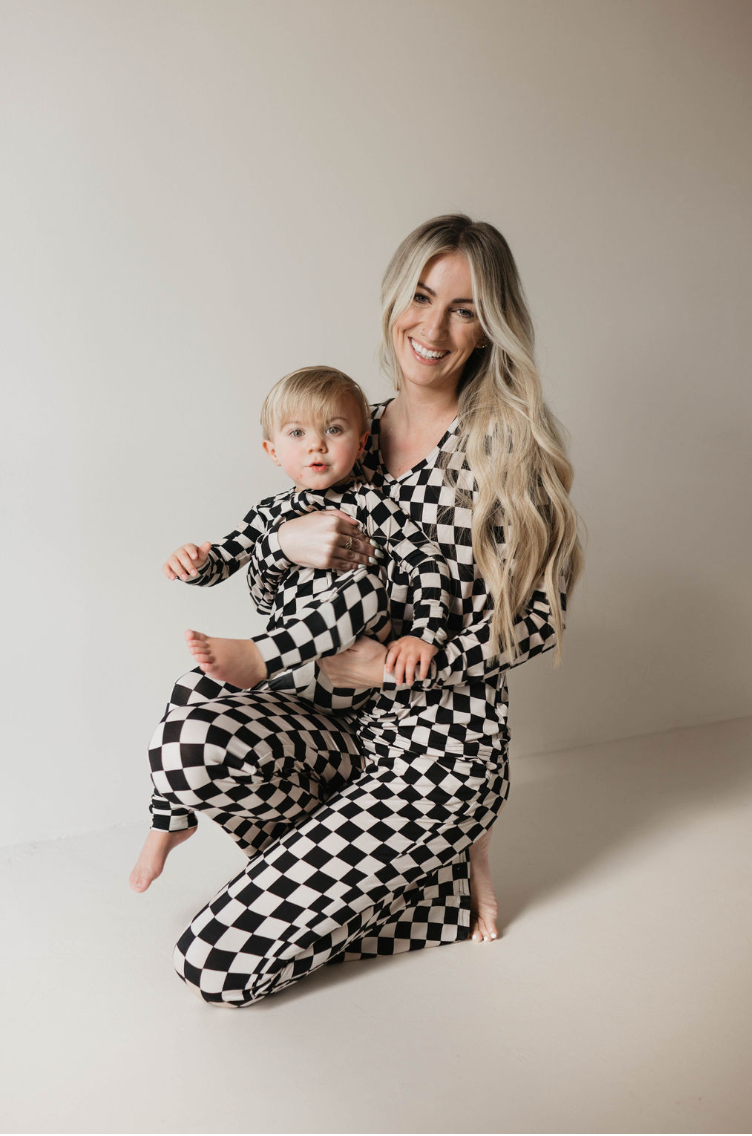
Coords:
pixel 314 540
pixel 465 658
pixel 468 656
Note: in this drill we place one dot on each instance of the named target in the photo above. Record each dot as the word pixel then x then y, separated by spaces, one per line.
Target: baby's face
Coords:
pixel 317 455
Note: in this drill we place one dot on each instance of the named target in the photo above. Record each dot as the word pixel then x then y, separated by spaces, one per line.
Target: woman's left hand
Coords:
pixel 360 666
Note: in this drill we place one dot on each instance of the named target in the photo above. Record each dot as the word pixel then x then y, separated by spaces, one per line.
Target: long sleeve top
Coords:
pixel 461 708
pixel 412 561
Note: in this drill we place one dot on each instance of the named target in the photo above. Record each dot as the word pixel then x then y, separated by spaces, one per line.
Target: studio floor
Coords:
pixel 617 1000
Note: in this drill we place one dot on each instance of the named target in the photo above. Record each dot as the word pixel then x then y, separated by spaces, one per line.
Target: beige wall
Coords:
pixel 199 196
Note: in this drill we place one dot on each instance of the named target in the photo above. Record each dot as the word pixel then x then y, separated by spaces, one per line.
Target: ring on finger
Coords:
pixel 349 543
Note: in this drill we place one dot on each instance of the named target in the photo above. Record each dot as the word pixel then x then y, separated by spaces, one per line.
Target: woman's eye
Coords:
pixel 465 313
pixel 420 297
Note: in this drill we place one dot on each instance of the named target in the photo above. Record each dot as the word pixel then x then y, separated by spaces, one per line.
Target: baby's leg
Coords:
pixel 356 604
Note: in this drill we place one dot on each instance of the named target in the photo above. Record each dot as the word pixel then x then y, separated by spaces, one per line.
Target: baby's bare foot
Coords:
pixel 485 908
pixel 237 661
pixel 155 851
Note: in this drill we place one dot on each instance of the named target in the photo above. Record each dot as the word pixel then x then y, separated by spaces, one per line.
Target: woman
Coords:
pixel 358 840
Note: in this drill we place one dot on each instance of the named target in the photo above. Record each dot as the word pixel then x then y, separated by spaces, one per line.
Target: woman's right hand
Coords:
pixel 318 539
pixel 186 561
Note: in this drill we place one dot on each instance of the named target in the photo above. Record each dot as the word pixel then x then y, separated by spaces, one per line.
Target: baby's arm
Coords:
pixel 209 563
pixel 419 561
pixel 186 561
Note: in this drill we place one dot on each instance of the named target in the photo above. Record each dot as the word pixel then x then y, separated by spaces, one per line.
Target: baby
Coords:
pixel 315 426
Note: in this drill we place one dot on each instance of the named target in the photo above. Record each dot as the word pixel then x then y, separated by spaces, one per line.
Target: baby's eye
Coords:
pixel 334 429
pixel 296 432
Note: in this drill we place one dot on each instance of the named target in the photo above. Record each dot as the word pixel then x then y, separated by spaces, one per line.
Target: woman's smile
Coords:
pixel 440 327
pixel 425 354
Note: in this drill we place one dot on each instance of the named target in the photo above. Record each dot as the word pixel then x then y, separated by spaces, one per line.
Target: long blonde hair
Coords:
pixel 514 444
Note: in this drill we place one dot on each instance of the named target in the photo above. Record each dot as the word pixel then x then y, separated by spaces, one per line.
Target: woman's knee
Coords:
pixel 204 968
pixel 186 753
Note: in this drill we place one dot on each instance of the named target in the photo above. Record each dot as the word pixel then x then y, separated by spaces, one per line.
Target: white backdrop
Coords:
pixel 200 195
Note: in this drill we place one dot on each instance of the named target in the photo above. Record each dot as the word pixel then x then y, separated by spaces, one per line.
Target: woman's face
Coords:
pixel 435 335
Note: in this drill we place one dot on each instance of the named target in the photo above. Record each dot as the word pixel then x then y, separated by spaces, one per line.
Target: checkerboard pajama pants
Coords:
pixel 350 855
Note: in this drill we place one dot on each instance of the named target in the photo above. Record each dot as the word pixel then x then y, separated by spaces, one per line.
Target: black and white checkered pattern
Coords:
pixel 408 554
pixel 315 612
pixel 357 832
pixel 363 874
pixel 462 706
pixel 374 858
pixel 253 761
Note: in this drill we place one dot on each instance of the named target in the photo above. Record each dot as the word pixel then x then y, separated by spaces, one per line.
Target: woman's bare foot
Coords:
pixel 237 661
pixel 152 858
pixel 485 909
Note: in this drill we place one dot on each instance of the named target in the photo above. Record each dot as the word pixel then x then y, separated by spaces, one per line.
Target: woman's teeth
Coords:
pixel 425 353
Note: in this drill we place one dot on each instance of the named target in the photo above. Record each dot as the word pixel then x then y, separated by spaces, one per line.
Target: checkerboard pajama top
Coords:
pixel 356 827
pixel 410 557
pixel 315 612
pixel 462 706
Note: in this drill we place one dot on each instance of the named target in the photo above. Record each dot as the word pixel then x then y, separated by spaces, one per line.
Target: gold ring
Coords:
pixel 348 543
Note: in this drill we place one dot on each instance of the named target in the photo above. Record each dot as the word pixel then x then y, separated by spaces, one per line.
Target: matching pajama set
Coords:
pixel 356 817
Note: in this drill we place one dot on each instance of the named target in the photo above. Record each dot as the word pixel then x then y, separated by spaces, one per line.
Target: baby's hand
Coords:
pixel 186 561
pixel 404 654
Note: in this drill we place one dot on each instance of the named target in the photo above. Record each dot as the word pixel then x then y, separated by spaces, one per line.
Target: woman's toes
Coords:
pixel 139 881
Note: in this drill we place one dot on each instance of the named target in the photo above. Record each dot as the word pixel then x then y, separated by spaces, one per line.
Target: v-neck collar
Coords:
pixel 429 459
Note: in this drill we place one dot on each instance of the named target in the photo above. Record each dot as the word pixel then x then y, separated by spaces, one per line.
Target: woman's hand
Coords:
pixel 186 561
pixel 318 540
pixel 359 667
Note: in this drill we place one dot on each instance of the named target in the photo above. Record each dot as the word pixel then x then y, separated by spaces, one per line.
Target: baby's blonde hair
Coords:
pixel 315 392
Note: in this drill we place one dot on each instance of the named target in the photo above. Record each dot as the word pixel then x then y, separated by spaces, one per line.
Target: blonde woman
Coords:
pixel 359 837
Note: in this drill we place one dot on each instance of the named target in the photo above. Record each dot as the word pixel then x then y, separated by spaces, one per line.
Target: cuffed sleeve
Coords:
pixel 268 566
pixel 468 656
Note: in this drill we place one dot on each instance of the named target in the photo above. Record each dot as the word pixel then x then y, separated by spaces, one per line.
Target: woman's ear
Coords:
pixel 270 450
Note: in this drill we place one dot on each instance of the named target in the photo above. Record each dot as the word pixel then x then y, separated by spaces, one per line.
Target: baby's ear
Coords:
pixel 270 450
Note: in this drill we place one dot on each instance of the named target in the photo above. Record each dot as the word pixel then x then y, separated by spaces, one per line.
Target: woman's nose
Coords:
pixel 434 325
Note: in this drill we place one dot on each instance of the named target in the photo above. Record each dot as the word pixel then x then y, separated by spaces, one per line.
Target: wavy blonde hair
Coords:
pixel 514 444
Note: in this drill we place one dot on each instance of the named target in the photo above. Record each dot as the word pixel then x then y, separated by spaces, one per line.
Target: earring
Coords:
pixel 481 346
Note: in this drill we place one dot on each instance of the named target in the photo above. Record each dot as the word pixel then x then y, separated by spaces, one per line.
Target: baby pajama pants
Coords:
pixel 350 855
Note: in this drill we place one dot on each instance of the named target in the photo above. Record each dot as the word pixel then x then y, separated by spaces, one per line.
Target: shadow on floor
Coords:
pixel 573 811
